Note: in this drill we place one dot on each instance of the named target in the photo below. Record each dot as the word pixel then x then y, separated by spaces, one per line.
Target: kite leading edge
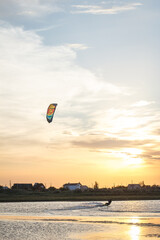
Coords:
pixel 50 112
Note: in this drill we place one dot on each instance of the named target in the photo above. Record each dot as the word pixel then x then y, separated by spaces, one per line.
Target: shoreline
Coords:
pixel 83 219
pixel 42 196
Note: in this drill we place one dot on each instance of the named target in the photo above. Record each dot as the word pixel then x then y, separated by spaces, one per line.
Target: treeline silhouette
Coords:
pixel 130 189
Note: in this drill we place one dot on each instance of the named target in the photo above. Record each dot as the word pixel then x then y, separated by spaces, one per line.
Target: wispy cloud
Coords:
pixel 147 150
pixel 109 143
pixel 77 46
pixel 47 28
pixel 29 8
pixel 142 103
pixel 95 9
pixel 38 74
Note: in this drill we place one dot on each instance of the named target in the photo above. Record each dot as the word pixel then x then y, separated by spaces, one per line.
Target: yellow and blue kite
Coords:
pixel 50 112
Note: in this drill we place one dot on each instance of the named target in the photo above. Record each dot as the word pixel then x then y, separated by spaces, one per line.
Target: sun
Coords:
pixel 132 157
pixel 135 162
pixel 133 151
pixel 124 158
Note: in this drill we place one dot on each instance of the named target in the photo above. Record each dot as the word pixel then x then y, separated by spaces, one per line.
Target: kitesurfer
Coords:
pixel 108 203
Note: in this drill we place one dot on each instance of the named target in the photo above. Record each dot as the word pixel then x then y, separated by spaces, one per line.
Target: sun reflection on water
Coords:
pixel 134 231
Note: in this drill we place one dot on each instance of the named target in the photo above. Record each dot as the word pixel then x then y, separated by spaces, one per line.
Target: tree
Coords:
pixel 96 186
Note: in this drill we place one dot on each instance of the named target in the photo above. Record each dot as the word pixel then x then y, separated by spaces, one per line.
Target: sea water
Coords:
pixel 122 220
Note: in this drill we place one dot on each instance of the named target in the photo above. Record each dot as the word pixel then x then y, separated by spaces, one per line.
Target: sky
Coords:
pixel 99 61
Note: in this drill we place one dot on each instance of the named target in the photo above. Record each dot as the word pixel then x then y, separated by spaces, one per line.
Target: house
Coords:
pixel 72 186
pixel 5 188
pixel 134 187
pixel 84 188
pixel 22 186
pixel 39 186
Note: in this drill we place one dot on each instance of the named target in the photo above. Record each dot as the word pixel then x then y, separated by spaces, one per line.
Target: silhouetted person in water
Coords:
pixel 108 203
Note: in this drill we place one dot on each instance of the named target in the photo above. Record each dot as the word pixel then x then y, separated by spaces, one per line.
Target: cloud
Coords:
pixel 77 46
pixel 151 156
pixel 90 114
pixel 29 8
pixel 109 143
pixel 129 151
pixel 142 103
pixel 34 75
pixel 95 9
pixel 156 131
pixel 39 8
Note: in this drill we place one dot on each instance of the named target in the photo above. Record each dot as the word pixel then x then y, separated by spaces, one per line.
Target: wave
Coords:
pixel 148 224
pixel 131 211
pixel 103 208
pixel 81 207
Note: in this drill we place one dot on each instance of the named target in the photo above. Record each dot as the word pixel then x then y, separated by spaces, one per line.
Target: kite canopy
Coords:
pixel 50 112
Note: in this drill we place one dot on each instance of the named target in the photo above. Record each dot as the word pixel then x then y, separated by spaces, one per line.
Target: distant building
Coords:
pixel 84 188
pixel 22 186
pixel 134 187
pixel 75 186
pixel 72 186
pixel 5 188
pixel 39 186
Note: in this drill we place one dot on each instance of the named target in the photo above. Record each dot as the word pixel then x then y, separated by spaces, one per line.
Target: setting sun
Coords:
pixel 135 162
pixel 133 151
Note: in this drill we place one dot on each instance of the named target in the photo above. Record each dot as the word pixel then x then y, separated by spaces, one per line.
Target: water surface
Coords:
pixel 122 220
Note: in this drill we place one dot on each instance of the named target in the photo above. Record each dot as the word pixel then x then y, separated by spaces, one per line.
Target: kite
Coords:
pixel 50 112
